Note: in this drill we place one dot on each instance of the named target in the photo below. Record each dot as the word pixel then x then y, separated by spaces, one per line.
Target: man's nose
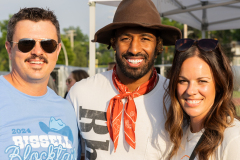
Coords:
pixel 37 49
pixel 135 46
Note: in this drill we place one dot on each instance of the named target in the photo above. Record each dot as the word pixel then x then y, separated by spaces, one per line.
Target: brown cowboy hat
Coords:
pixel 132 13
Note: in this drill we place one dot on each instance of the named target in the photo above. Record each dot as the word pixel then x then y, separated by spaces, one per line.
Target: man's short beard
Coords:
pixel 134 73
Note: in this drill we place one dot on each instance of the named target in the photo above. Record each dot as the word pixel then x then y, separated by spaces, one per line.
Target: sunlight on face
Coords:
pixel 25 64
pixel 196 88
pixel 135 51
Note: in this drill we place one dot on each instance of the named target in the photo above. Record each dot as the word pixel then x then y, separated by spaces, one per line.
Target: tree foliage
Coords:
pixel 224 37
pixel 81 51
pixel 194 33
pixel 81 45
pixel 104 55
pixel 70 54
pixel 170 22
pixel 167 54
pixel 4 59
pixel 79 55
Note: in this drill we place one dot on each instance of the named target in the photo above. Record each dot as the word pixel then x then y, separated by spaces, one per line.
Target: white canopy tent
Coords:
pixel 205 15
pixel 113 3
pixel 200 14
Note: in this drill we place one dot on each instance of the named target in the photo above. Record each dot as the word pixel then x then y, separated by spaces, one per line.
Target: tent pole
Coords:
pixel 178 11
pixel 203 34
pixel 204 19
pixel 92 46
pixel 185 31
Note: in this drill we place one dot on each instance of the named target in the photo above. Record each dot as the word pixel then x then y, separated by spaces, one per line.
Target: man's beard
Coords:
pixel 134 73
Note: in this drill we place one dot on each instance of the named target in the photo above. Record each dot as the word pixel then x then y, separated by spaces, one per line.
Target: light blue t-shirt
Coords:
pixel 36 127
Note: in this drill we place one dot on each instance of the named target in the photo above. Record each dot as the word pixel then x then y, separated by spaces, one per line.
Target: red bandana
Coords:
pixel 115 108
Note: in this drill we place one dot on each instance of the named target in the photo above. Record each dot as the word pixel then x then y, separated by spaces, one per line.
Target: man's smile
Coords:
pixel 33 61
pixel 134 61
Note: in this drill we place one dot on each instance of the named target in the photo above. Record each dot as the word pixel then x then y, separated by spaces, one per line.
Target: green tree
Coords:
pixel 170 22
pixel 70 53
pixel 79 36
pixel 81 51
pixel 194 33
pixel 225 37
pixel 168 51
pixel 81 45
pixel 235 34
pixel 4 60
pixel 104 55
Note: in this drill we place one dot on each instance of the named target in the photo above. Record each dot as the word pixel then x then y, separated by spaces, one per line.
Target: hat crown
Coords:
pixel 140 11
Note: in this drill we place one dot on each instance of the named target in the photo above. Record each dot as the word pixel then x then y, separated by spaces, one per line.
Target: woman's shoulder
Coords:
pixel 229 148
pixel 232 133
pixel 235 126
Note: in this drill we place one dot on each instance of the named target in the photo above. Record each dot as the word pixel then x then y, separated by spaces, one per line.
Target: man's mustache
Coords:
pixel 35 56
pixel 129 54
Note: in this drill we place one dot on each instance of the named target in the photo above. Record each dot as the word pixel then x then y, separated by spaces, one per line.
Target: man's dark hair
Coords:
pixel 32 14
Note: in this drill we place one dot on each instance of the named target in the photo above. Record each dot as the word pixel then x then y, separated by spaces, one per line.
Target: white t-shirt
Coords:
pixel 228 150
pixel 90 98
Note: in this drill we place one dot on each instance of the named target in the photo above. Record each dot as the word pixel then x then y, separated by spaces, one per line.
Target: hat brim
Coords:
pixel 168 34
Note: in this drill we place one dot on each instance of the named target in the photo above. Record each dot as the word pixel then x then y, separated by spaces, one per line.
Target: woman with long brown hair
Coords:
pixel 201 121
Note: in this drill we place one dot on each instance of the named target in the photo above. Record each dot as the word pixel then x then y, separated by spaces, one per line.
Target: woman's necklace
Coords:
pixel 188 140
pixel 191 136
pixel 188 134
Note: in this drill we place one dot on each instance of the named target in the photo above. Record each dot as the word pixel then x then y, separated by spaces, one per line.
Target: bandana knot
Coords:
pixel 115 109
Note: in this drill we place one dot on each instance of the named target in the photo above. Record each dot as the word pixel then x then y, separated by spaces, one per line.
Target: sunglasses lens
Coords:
pixel 183 44
pixel 68 81
pixel 49 45
pixel 26 45
pixel 207 44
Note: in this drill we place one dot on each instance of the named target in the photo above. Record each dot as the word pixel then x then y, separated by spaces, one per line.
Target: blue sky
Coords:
pixel 69 12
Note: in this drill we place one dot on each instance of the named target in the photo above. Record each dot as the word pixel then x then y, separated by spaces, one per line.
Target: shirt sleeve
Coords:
pixel 232 150
pixel 68 98
pixel 81 149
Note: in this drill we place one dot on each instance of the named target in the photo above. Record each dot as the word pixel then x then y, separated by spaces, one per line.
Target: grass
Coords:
pixel 236 94
pixel 238 110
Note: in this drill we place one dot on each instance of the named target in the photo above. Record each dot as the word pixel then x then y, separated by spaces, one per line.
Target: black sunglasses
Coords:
pixel 68 80
pixel 27 44
pixel 207 45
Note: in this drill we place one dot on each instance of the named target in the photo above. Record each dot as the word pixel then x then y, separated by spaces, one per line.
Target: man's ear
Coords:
pixel 159 47
pixel 8 48
pixel 59 49
pixel 112 41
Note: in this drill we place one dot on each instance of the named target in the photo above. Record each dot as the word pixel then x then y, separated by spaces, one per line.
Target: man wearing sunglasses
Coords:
pixel 120 112
pixel 35 123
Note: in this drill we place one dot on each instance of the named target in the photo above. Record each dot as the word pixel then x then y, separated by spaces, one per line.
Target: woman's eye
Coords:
pixel 202 81
pixel 182 81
